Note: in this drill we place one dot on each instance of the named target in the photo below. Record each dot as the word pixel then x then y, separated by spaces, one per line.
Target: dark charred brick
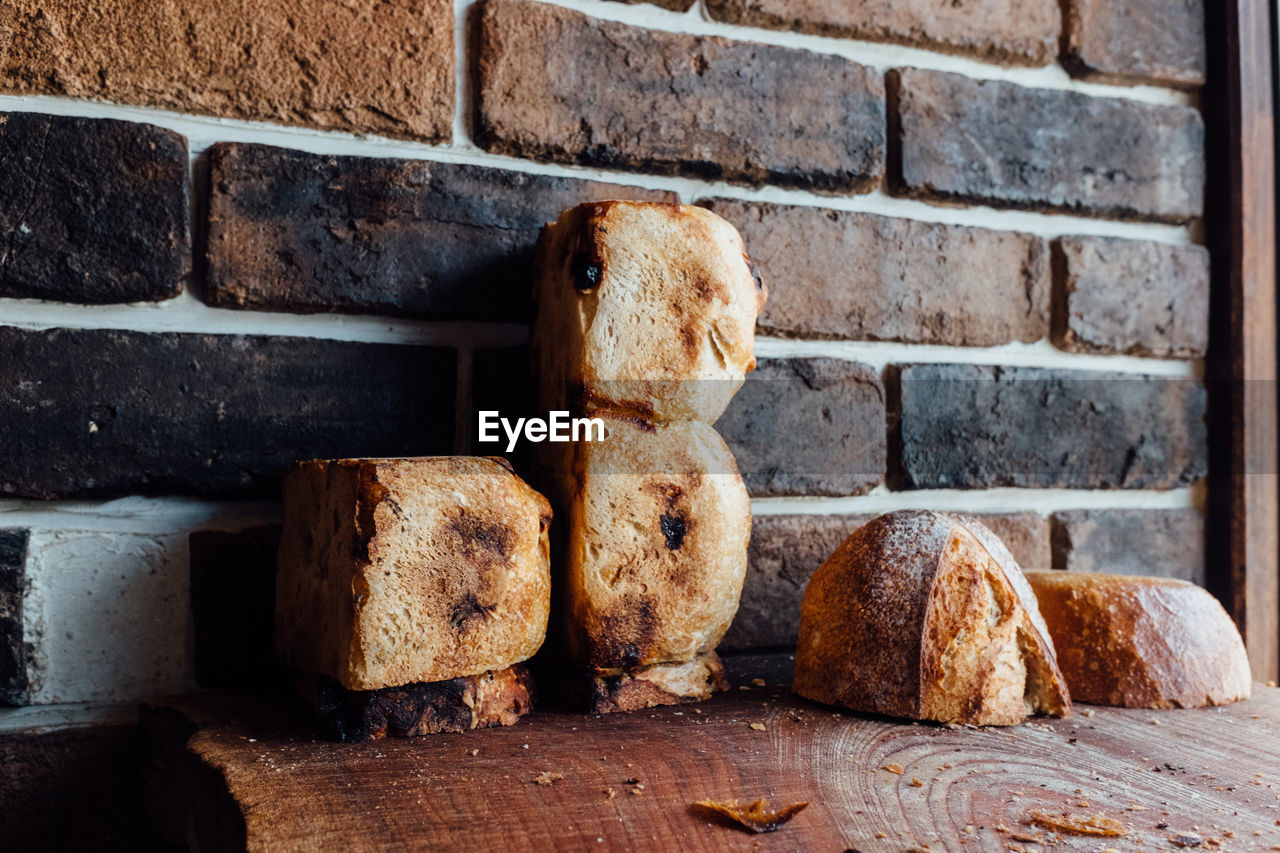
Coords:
pixel 1011 32
pixel 808 427
pixel 1167 543
pixel 304 232
pixel 104 412
pixel 366 66
pixel 233 594
pixel 76 788
pixel 1135 41
pixel 858 276
pixel 92 210
pixel 956 139
pixel 14 650
pixel 1131 296
pixel 976 426
pixel 554 84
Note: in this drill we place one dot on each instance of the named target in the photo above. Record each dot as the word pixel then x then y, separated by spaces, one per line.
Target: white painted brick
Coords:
pixel 108 614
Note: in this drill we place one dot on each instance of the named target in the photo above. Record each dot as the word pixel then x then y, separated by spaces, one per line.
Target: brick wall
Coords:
pixel 225 248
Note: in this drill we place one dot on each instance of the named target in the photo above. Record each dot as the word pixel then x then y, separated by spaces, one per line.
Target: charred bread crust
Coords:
pixel 1142 642
pixel 923 615
pixel 646 309
pixel 651 686
pixel 455 705
pixel 399 571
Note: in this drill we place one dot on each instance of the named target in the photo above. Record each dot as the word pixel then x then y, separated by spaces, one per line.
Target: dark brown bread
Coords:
pixel 927 616
pixel 1142 642
pixel 455 705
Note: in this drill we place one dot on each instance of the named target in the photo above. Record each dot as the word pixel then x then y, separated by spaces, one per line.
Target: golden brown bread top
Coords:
pixel 395 571
pixel 643 308
pixel 1142 642
pixel 924 615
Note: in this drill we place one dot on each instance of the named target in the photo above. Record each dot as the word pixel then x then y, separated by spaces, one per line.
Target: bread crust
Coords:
pixel 657 523
pixel 660 684
pixel 924 615
pixel 399 571
pixel 1142 642
pixel 455 705
pixel 643 308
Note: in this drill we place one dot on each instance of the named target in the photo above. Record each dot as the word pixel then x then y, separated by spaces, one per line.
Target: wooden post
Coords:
pixel 1244 508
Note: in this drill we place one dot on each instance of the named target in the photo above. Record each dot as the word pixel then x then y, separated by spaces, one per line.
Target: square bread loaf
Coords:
pixel 656 526
pixel 398 571
pixel 643 308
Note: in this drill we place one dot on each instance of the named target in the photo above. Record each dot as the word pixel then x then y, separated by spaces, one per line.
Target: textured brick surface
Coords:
pixel 92 210
pixel 110 412
pixel 1130 296
pixel 14 650
pixel 304 232
pixel 955 139
pixel 975 426
pixel 836 274
pixel 379 66
pixel 1012 32
pixel 808 427
pixel 553 84
pixel 786 550
pixel 1135 41
pixel 233 594
pixel 1168 543
pixel 673 5
pixel 73 789
pixel 784 553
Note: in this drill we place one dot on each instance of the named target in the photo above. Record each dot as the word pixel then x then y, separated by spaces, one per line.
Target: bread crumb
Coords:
pixel 758 682
pixel 1097 825
pixel 1088 712
pixel 547 777
pixel 756 816
pixel 893 768
pixel 609 793
pixel 475 752
pixel 1153 721
pixel 758 726
pixel 525 746
pixel 1185 839
pixel 1270 684
pixel 881 835
pixel 916 783
pixel 969 829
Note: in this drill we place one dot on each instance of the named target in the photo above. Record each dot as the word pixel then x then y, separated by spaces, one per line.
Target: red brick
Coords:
pixel 858 276
pixel 1025 534
pixel 1135 41
pixel 1168 543
pixel 1011 32
pixel 370 66
pixel 956 139
pixel 1131 296
pixel 554 84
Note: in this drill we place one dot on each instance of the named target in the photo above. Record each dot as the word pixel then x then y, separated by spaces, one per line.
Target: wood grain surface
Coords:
pixel 232 771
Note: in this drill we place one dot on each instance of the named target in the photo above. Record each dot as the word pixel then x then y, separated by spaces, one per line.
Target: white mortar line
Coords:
pixel 1042 501
pixel 203 131
pixel 188 314
pixel 37 719
pixel 138 515
pixel 878 55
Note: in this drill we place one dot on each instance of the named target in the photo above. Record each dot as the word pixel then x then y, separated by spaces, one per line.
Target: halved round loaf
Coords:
pixel 1142 642
pixel 926 616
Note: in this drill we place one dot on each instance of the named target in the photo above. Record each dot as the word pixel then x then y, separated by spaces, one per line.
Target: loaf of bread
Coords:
pixel 660 684
pixel 657 522
pixel 399 571
pixel 645 309
pixel 927 616
pixel 1140 642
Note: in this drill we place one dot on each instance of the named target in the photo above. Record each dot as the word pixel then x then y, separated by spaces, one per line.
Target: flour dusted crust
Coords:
pixel 1142 642
pixel 657 525
pixel 926 616
pixel 399 571
pixel 643 308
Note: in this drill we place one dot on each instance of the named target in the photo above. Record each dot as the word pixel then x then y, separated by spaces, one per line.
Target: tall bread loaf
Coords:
pixel 1142 642
pixel 927 616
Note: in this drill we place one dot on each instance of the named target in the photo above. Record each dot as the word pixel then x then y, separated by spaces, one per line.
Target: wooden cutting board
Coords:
pixel 229 771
